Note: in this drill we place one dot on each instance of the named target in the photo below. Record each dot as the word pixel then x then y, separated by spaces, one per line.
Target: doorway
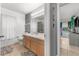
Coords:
pixel 69 21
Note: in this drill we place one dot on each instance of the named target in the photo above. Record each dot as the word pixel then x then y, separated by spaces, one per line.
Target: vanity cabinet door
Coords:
pixel 37 46
pixel 40 50
pixel 28 42
pixel 40 46
pixel 24 41
pixel 34 46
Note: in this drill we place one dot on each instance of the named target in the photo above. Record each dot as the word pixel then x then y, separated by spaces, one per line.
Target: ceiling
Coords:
pixel 40 17
pixel 69 10
pixel 21 7
pixel 66 9
pixel 62 4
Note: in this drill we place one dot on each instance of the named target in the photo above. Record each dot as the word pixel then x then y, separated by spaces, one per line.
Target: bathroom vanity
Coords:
pixel 35 43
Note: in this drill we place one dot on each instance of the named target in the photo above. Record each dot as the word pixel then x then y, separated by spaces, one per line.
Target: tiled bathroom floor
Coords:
pixel 65 52
pixel 18 49
pixel 68 50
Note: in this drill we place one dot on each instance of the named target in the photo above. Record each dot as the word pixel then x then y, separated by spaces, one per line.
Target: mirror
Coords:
pixel 38 24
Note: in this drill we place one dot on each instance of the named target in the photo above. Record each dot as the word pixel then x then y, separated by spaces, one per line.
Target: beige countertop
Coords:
pixel 39 35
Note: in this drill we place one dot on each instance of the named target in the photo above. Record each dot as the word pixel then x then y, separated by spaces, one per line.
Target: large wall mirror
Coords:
pixel 40 24
pixel 37 20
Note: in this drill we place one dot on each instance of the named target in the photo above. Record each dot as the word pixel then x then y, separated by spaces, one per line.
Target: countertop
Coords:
pixel 39 35
pixel 75 32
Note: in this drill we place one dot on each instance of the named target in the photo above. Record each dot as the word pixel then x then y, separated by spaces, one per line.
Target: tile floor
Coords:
pixel 17 50
pixel 68 50
pixel 65 52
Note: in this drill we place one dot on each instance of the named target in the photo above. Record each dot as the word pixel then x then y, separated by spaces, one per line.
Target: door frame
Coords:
pixel 47 27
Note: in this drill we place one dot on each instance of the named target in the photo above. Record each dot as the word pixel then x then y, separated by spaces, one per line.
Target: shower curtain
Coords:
pixel 8 30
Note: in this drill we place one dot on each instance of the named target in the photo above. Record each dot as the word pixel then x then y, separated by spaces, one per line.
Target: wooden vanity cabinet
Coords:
pixel 35 45
pixel 40 50
pixel 27 41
